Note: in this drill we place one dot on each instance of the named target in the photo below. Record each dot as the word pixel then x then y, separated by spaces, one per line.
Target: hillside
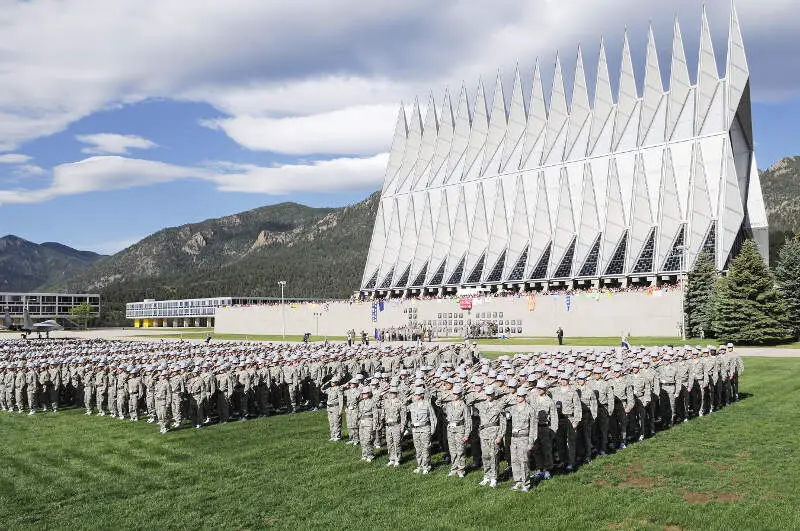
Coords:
pixel 25 265
pixel 781 187
pixel 319 252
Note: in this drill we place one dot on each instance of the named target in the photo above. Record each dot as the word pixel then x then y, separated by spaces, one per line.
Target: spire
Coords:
pixel 557 117
pixel 537 119
pixel 512 145
pixel 579 111
pixel 413 142
pixel 498 123
pixel 679 84
pixel 737 71
pixel 477 137
pixel 398 148
pixel 628 96
pixel 603 106
pixel 430 132
pixel 460 138
pixel 707 75
pixel 653 89
pixel 443 141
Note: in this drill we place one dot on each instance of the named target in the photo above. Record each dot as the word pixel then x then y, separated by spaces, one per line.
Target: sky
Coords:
pixel 121 118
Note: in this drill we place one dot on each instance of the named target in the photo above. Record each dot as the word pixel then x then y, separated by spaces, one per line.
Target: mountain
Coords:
pixel 780 185
pixel 320 252
pixel 25 265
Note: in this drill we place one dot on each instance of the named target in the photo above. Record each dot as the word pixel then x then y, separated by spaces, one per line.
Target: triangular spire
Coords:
pixel 424 238
pixel 408 244
pixel 498 124
pixel 405 176
pixel 520 229
pixel 670 219
pixel 441 237
pixel 477 137
pixel 565 223
pixel 517 120
pixel 615 216
pixel 537 120
pixel 459 237
pixel 443 141
pixel 579 112
pixel 557 117
pixel 430 132
pixel 541 230
pixel 628 96
pixel 732 217
pixel 737 72
pixel 707 75
pixel 398 148
pixel 653 91
pixel 679 84
pixel 603 107
pixel 393 236
pixel 700 209
pixel 479 231
pixel 641 216
pixel 498 237
pixel 458 146
pixel 376 248
pixel 590 225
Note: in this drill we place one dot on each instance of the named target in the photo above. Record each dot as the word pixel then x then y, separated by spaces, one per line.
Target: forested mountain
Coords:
pixel 319 252
pixel 25 265
pixel 781 187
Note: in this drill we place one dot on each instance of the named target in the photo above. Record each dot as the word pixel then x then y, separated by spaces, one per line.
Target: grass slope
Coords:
pixel 736 469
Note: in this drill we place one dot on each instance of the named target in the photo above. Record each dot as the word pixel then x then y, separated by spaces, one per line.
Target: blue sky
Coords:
pixel 133 116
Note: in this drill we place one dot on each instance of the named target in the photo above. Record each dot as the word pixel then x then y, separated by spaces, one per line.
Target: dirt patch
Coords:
pixel 705 497
pixel 671 528
pixel 744 454
pixel 721 467
pixel 633 477
pixel 638 481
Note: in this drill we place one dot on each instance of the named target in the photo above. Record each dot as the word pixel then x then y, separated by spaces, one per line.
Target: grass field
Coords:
pixel 592 341
pixel 736 469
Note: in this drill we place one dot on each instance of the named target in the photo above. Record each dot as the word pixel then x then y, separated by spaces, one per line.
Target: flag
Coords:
pixel 531 303
pixel 380 305
pixel 569 302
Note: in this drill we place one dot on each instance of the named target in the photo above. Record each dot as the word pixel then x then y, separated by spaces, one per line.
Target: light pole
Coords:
pixel 282 284
pixel 682 278
pixel 317 315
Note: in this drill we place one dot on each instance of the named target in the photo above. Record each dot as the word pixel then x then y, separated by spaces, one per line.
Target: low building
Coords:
pixel 44 305
pixel 183 313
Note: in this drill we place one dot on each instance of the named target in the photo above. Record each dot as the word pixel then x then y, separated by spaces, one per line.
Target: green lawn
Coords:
pixel 592 341
pixel 242 337
pixel 736 469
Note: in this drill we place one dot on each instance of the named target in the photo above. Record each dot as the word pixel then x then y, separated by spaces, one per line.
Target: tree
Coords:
pixel 700 297
pixel 749 308
pixel 787 274
pixel 82 313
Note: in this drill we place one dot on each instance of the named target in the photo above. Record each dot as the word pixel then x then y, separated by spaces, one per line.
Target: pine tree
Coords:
pixel 700 294
pixel 787 274
pixel 749 308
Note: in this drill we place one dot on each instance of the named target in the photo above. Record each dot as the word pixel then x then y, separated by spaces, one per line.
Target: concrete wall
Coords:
pixel 639 314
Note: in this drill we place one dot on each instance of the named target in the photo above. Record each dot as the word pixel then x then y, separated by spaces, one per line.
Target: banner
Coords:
pixel 374 312
pixel 569 302
pixel 465 303
pixel 531 303
pixel 380 305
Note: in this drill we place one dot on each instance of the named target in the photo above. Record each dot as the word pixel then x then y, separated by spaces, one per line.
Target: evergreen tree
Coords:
pixel 749 308
pixel 700 294
pixel 787 274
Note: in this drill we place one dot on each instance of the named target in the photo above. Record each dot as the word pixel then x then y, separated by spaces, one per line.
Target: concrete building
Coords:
pixel 44 305
pixel 628 188
pixel 183 313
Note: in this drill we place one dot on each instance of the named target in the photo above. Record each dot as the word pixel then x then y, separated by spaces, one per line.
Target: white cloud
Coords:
pixel 115 173
pixel 351 131
pixel 113 144
pixel 14 158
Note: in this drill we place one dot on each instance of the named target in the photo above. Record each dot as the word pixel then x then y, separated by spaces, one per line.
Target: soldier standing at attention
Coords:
pixel 588 414
pixel 367 414
pixel 560 335
pixel 546 415
pixel 622 391
pixel 135 390
pixel 351 413
pixel 334 405
pixel 122 391
pixel 177 387
pixel 31 386
pixel 490 433
pixel 394 415
pixel 642 393
pixel 195 389
pixel 459 426
pixel 423 424
pixel 569 415
pixel 89 379
pixel 100 387
pixel 523 436
pixel 161 399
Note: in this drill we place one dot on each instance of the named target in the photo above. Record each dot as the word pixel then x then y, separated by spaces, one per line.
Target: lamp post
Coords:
pixel 282 284
pixel 317 315
pixel 682 277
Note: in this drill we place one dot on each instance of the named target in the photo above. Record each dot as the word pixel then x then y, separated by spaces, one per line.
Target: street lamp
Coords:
pixel 682 277
pixel 282 284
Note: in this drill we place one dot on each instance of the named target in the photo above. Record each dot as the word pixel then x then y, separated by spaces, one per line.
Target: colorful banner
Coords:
pixel 569 302
pixel 531 303
pixel 380 305
pixel 465 303
pixel 374 312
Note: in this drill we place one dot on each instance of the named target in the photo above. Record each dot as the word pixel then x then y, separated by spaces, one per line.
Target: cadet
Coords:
pixel 546 415
pixel 588 414
pixel 423 425
pixel 459 426
pixel 161 399
pixel 568 406
pixel 351 413
pixel 623 404
pixel 367 415
pixel 523 436
pixel 641 394
pixel 490 433
pixel 334 405
pixel 394 415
